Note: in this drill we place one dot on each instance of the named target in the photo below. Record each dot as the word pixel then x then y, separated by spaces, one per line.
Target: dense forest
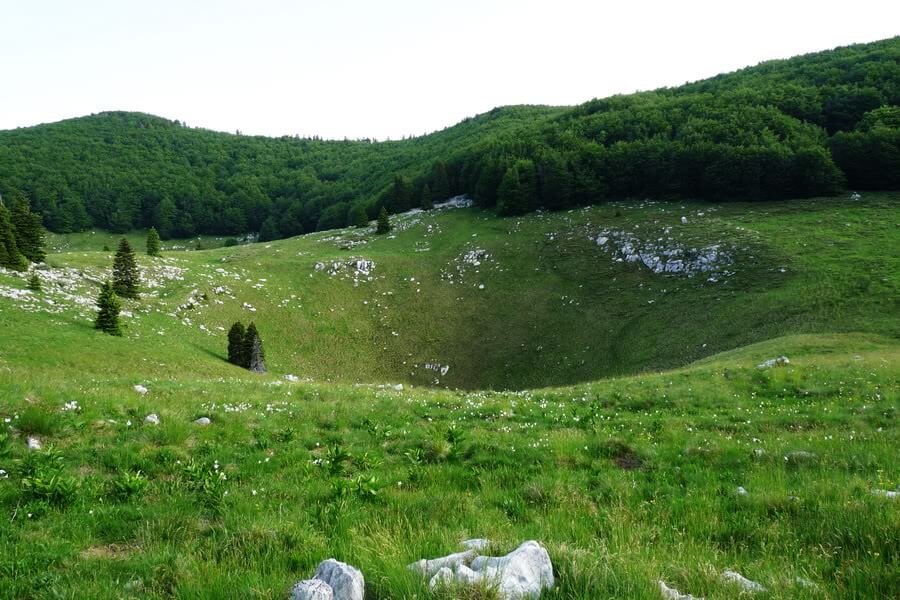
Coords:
pixel 806 126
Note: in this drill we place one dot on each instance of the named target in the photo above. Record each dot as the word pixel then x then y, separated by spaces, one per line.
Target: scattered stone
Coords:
pixel 886 493
pixel 203 421
pixel 152 419
pixel 774 362
pixel 312 589
pixel 444 576
pixel 800 456
pixel 140 389
pixel 748 585
pixel 684 220
pixel 429 568
pixel 398 387
pixel 523 573
pixel 346 582
pixel 34 443
pixel 673 594
pixel 741 491
pixel 477 544
pixel 291 378
pixel 803 582
pixel 758 452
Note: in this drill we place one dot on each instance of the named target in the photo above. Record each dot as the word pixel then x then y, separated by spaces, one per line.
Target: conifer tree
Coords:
pixel 108 307
pixel 29 231
pixel 10 256
pixel 440 183
pixel 153 242
pixel 34 282
pixel 358 217
pixel 426 201
pixel 384 223
pixel 236 344
pixel 253 353
pixel 125 271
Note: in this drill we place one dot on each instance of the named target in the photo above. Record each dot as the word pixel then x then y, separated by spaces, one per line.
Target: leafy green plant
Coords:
pixel 127 484
pixel 336 459
pixel 52 487
pixel 207 483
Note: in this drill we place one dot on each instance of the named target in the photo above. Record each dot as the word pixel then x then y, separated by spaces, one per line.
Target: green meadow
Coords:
pixel 467 376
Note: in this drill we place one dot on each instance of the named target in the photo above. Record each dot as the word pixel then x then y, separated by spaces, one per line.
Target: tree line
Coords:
pixel 806 126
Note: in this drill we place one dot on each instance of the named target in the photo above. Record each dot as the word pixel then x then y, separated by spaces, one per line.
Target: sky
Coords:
pixel 386 68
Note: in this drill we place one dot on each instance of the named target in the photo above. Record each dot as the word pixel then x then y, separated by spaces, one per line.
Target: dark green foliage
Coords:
pixel 108 307
pixel 10 256
pixel 517 193
pixel 357 216
pixel 125 271
pixel 229 243
pixel 252 353
pixel 29 231
pixel 426 201
pixel 34 283
pixel 268 231
pixel 782 129
pixel 236 345
pixel 153 242
pixel 384 222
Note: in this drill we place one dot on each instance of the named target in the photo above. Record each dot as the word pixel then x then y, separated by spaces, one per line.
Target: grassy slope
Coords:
pixel 545 464
pixel 555 307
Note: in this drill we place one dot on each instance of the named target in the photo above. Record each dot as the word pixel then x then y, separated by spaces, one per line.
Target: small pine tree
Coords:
pixel 236 344
pixel 34 282
pixel 108 307
pixel 257 356
pixel 358 217
pixel 125 271
pixel 384 223
pixel 426 202
pixel 253 353
pixel 29 231
pixel 10 256
pixel 153 242
pixel 105 248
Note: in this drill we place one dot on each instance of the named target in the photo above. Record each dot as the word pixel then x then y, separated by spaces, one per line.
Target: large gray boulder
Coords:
pixel 428 568
pixel 346 582
pixel 312 589
pixel 523 573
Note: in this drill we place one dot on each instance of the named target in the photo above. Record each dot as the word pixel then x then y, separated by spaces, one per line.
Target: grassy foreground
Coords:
pixel 625 480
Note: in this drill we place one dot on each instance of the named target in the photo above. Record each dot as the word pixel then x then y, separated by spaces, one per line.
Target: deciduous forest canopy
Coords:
pixel 801 127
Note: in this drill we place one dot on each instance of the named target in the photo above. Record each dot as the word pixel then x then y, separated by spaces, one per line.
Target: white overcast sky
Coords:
pixel 386 68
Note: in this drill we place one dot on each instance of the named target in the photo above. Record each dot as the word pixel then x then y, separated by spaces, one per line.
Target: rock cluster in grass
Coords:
pixel 774 362
pixel 665 255
pixel 333 580
pixel 523 573
pixel 670 593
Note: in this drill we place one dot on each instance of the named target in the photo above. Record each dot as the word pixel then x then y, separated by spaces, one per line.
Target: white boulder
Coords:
pixel 673 594
pixel 774 362
pixel 312 589
pixel 152 419
pixel 33 443
pixel 140 389
pixel 346 582
pixel 203 421
pixel 747 584
pixel 428 568
pixel 523 573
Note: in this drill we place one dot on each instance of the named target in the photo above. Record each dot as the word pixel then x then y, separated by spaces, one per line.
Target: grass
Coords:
pixel 623 458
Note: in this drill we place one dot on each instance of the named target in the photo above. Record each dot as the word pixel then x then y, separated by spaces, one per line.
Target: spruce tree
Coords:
pixel 358 217
pixel 384 223
pixel 153 242
pixel 34 282
pixel 425 198
pixel 440 183
pixel 236 344
pixel 125 271
pixel 253 354
pixel 108 307
pixel 10 256
pixel 29 231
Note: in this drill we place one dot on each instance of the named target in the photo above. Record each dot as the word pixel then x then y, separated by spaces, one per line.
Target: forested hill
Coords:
pixel 801 127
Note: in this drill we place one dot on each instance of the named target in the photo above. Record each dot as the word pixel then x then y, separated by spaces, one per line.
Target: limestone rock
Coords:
pixel 444 576
pixel 747 584
pixel 203 421
pixel 33 443
pixel 477 544
pixel 523 573
pixel 428 568
pixel 152 419
pixel 673 594
pixel 140 389
pixel 774 362
pixel 312 589
pixel 346 582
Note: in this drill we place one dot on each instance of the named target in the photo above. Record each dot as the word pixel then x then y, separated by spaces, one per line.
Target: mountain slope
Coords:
pixel 460 298
pixel 784 129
